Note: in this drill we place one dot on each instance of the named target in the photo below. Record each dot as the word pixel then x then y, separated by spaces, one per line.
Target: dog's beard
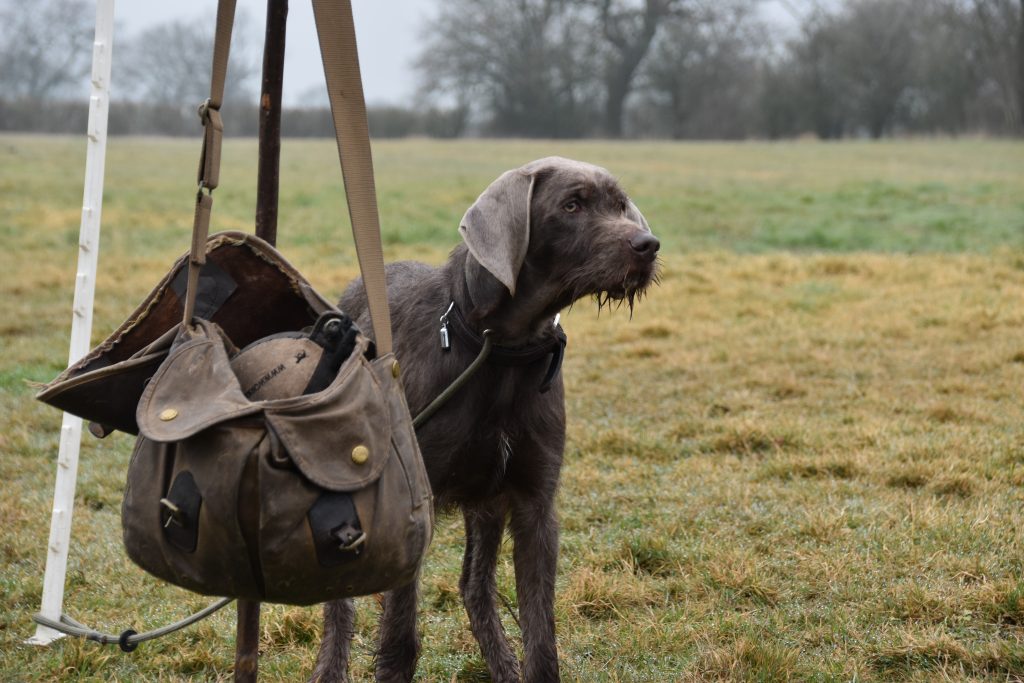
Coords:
pixel 628 288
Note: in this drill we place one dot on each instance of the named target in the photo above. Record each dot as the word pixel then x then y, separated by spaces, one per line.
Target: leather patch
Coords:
pixel 215 287
pixel 276 367
pixel 337 535
pixel 179 513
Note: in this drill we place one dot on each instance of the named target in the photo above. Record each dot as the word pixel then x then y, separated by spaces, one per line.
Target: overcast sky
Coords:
pixel 388 33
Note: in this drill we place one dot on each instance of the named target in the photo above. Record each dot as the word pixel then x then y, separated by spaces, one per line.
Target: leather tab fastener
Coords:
pixel 209 157
pixel 338 536
pixel 179 512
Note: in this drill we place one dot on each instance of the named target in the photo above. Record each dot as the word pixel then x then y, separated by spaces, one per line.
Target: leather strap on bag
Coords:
pixel 336 31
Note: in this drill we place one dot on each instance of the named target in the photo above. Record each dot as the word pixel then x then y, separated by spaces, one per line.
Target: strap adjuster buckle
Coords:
pixel 205 108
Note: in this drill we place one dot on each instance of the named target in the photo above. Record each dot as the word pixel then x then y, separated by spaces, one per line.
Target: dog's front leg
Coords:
pixel 332 659
pixel 399 642
pixel 484 528
pixel 535 534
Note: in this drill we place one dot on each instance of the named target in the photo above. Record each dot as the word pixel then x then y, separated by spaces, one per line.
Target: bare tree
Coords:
pixel 999 26
pixel 170 64
pixel 515 62
pixel 820 92
pixel 856 66
pixel 44 47
pixel 875 54
pixel 703 72
pixel 628 30
pixel 945 71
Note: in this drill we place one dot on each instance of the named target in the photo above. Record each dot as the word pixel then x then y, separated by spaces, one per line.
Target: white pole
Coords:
pixel 81 320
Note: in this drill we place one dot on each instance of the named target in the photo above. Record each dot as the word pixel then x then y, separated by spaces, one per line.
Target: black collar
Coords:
pixel 512 356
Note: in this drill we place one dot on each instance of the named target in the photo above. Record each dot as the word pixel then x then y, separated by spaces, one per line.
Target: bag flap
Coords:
pixel 246 287
pixel 339 438
pixel 193 389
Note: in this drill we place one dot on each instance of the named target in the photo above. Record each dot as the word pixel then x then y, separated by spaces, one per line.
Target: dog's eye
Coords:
pixel 571 206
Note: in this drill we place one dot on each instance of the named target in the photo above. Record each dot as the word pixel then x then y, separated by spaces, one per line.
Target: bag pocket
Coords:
pixel 183 509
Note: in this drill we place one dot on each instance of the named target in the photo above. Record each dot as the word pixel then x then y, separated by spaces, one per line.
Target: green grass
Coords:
pixel 789 465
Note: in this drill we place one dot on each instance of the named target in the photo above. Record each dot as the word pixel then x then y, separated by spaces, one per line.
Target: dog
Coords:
pixel 539 238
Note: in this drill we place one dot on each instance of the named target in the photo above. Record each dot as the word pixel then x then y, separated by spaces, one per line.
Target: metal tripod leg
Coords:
pixel 247 636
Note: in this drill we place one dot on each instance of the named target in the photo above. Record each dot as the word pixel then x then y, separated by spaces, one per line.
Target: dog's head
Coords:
pixel 557 230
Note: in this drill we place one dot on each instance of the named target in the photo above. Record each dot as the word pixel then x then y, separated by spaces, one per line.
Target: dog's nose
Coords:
pixel 645 244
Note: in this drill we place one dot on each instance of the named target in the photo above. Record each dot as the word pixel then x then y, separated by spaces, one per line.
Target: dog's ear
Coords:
pixel 496 228
pixel 633 214
pixel 485 291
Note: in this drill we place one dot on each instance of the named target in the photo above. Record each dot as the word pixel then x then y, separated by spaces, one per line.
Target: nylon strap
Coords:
pixel 209 158
pixel 336 30
pixel 209 111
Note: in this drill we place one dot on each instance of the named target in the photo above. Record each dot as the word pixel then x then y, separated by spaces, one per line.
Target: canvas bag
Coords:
pixel 298 499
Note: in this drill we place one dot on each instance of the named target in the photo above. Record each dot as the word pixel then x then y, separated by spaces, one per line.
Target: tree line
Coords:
pixel 684 69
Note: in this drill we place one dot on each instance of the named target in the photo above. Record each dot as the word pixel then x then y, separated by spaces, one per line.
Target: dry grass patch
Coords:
pixel 595 594
pixel 940 656
pixel 739 580
pixel 284 626
pixel 649 555
pixel 912 477
pixel 750 660
pixel 958 485
pixel 810 468
pixel 746 441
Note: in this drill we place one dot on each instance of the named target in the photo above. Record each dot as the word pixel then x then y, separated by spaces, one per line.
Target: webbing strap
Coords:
pixel 209 111
pixel 336 30
pixel 209 158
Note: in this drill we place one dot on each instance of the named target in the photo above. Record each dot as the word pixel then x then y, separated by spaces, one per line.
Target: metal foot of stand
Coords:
pixel 247 641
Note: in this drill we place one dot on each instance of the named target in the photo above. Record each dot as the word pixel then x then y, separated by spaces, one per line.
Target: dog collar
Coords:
pixel 508 356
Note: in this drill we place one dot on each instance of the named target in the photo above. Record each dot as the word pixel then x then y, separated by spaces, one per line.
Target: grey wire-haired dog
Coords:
pixel 539 238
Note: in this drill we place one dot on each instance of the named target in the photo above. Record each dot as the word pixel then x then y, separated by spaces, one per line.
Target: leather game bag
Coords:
pixel 276 458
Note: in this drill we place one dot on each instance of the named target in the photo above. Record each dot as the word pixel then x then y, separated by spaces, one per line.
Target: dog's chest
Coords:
pixel 481 468
pixel 489 439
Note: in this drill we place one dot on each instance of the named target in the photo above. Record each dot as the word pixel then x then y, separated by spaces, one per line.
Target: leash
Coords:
pixel 459 382
pixel 501 355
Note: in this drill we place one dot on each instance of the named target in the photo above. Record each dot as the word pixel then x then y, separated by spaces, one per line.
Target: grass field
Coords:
pixel 802 459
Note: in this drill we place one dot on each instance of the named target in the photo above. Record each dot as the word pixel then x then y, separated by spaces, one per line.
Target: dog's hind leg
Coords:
pixel 399 642
pixel 484 529
pixel 535 554
pixel 332 659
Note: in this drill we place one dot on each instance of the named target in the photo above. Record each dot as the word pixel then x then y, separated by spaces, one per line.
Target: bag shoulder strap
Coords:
pixel 209 157
pixel 336 31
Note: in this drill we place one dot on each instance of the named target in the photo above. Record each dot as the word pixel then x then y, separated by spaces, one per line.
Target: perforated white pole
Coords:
pixel 81 320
